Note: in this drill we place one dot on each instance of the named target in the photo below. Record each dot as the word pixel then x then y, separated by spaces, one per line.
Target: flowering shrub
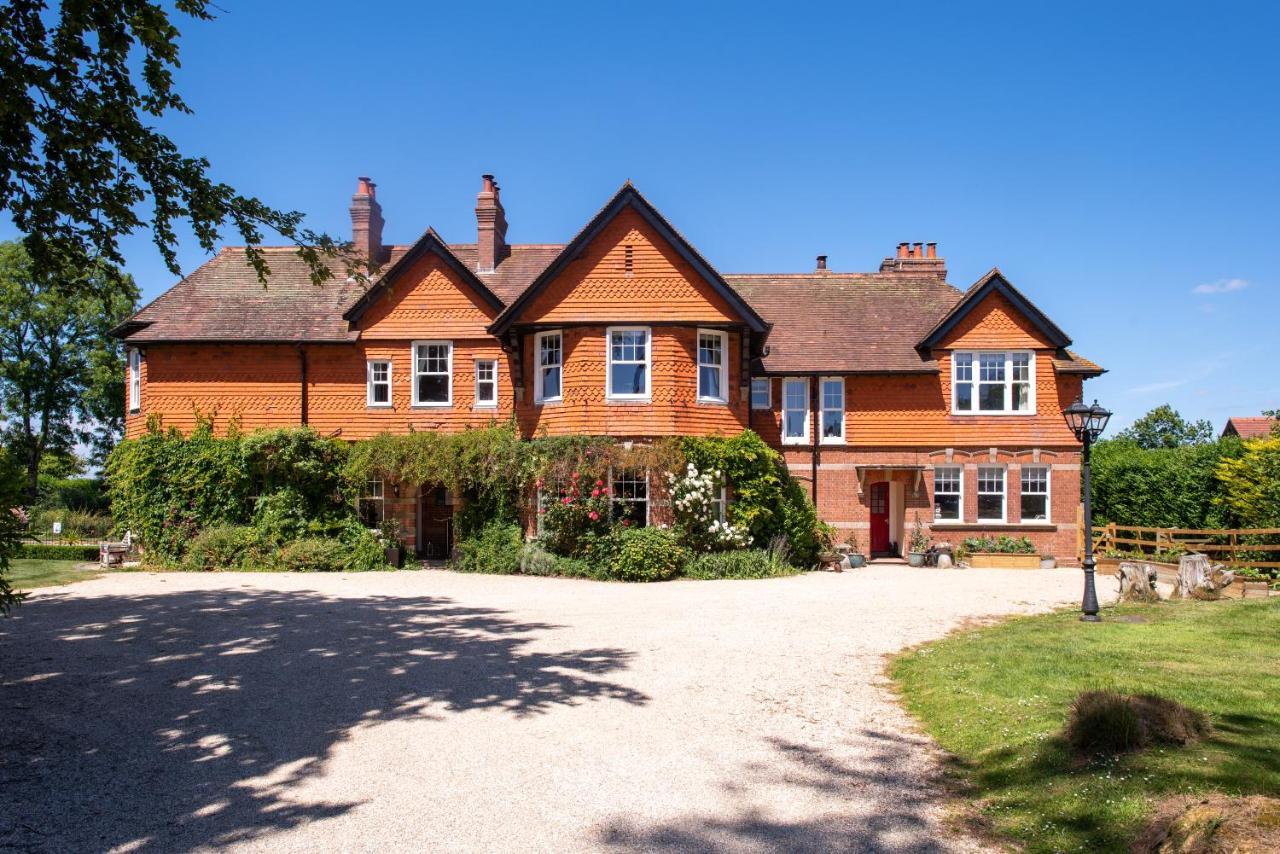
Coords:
pixel 697 518
pixel 574 516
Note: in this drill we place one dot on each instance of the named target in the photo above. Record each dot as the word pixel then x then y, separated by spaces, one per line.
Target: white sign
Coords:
pixel 57 527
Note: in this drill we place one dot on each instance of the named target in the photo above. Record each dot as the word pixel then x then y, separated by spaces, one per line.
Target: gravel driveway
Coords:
pixel 433 710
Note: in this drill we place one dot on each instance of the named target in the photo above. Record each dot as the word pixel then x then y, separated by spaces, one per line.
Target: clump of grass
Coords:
pixel 1110 723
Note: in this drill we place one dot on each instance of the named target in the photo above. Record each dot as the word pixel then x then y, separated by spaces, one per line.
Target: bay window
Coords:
pixel 991 494
pixel 948 494
pixel 628 363
pixel 795 411
pixel 1035 494
pixel 432 373
pixel 992 383
pixel 549 347
pixel 713 367
pixel 833 410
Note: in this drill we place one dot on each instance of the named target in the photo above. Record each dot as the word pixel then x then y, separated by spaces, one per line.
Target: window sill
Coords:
pixel 550 401
pixel 387 406
pixel 628 401
pixel 447 405
pixel 711 401
pixel 964 414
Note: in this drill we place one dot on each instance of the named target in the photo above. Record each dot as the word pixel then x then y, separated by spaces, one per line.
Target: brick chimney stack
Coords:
pixel 822 263
pixel 366 221
pixel 491 226
pixel 920 259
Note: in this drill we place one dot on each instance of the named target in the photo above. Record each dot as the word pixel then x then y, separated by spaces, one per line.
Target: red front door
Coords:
pixel 879 500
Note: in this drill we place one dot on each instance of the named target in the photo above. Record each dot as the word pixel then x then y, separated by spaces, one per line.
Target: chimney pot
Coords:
pixel 918 251
pixel 902 250
pixel 932 250
pixel 822 262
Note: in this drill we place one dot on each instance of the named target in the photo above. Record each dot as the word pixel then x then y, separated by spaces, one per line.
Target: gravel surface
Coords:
pixel 439 711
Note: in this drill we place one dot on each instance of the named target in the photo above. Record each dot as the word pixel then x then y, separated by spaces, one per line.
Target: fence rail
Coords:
pixel 1252 548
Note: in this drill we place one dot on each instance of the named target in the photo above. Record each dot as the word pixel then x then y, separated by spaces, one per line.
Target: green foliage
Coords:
pixel 166 488
pixel 576 516
pixel 644 554
pixel 745 563
pixel 497 548
pixel 1162 488
pixel 313 554
pixel 1250 484
pixel 227 547
pixel 697 521
pixel 536 560
pixel 1164 427
pixel 75 524
pixel 999 545
pixel 42 551
pixel 1108 723
pixel 919 539
pixel 86 87
pixel 53 337
pixel 84 494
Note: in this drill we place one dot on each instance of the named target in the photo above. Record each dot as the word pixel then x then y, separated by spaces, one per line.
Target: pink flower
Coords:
pixel 566 500
pixel 541 510
pixel 594 515
pixel 626 523
pixel 576 475
pixel 599 483
pixel 595 493
pixel 538 483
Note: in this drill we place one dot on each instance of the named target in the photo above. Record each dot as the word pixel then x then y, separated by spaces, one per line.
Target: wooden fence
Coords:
pixel 1257 548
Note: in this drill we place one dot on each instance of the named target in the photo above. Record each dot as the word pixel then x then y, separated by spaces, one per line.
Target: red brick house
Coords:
pixel 889 393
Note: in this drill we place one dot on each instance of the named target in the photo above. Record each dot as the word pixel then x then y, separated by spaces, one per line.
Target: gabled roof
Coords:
pixel 1249 426
pixel 630 197
pixel 994 282
pixel 428 244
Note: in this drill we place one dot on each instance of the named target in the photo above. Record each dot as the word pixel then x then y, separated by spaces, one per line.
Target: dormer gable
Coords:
pixel 994 313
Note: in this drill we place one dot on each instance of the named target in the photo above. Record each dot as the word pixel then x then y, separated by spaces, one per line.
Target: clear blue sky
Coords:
pixel 1118 161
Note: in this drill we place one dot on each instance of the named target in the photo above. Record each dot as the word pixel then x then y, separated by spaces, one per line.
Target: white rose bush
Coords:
pixel 697 519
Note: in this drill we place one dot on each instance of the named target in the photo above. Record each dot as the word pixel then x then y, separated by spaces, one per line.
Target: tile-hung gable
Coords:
pixel 889 393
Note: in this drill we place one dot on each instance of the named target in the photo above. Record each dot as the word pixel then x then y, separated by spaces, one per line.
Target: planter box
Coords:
pixel 1002 560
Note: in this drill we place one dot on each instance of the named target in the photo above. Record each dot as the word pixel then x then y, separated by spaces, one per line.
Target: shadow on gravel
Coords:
pixel 151 721
pixel 880 809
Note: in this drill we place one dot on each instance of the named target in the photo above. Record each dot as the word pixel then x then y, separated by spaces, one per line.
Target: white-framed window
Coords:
pixel 991 494
pixel 993 382
pixel 795 411
pixel 135 379
pixel 1035 494
pixel 486 383
pixel 371 506
pixel 761 393
pixel 713 366
pixel 432 373
pixel 627 376
pixel 832 410
pixel 720 503
pixel 629 498
pixel 948 494
pixel 378 382
pixel 547 495
pixel 549 353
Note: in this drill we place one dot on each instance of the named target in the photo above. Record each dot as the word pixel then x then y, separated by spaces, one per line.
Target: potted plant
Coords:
pixel 392 546
pixel 918 545
pixel 857 559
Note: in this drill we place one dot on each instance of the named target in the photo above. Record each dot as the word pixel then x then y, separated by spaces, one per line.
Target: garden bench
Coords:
pixel 113 554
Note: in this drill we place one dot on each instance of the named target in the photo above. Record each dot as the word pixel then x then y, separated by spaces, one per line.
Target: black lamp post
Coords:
pixel 1087 422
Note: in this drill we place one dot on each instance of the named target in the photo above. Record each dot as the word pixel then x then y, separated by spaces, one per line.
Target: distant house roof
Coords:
pixel 1249 426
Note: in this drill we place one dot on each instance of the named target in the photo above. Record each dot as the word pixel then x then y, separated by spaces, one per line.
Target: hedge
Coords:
pixel 45 551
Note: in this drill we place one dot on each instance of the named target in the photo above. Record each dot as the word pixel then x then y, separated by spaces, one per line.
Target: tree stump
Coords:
pixel 1137 582
pixel 1198 579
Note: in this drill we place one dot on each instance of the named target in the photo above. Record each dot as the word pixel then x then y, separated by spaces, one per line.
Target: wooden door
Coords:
pixel 878 497
pixel 435 523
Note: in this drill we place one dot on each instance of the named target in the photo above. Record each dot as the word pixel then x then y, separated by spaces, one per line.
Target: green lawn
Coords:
pixel 996 699
pixel 26 574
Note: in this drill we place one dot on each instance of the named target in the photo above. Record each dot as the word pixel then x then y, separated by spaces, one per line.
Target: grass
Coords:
pixel 26 574
pixel 997 698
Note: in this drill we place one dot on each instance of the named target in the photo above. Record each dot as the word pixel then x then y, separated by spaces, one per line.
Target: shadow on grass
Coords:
pixel 165 722
pixel 875 806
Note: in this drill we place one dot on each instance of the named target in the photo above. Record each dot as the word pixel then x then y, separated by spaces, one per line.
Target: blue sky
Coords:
pixel 1119 161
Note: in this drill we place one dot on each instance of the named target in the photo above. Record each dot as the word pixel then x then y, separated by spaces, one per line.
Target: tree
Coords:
pixel 1251 484
pixel 79 157
pixel 10 525
pixel 1163 427
pixel 56 357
